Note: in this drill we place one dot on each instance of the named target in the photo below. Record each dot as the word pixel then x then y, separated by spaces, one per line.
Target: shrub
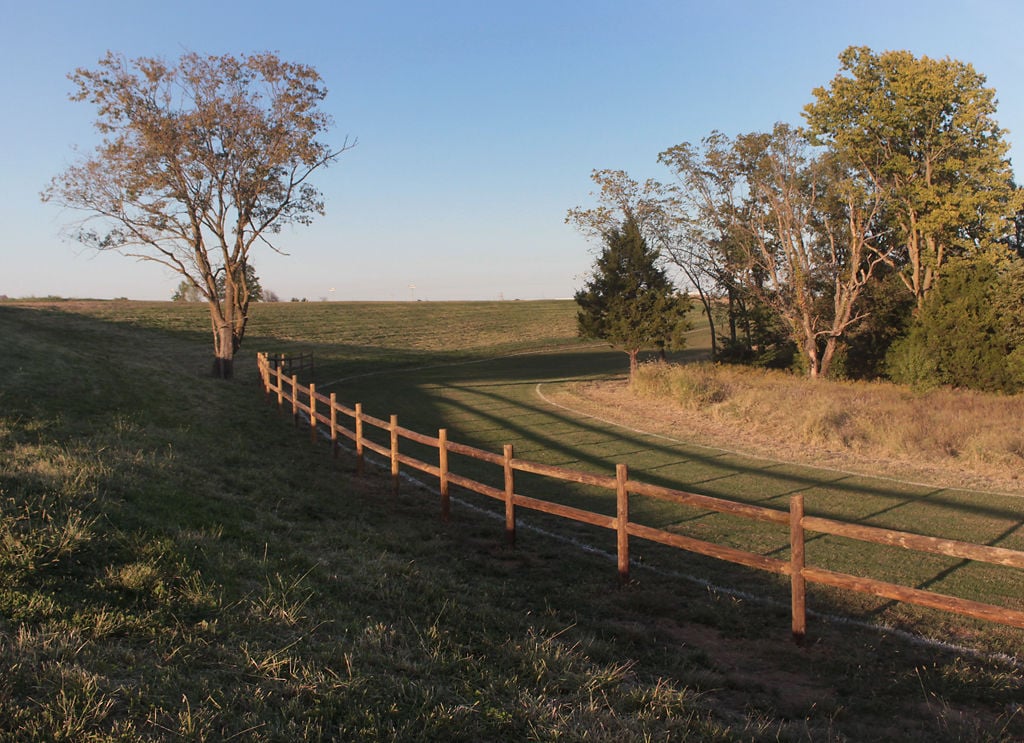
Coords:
pixel 912 363
pixel 692 386
pixel 965 335
pixel 889 312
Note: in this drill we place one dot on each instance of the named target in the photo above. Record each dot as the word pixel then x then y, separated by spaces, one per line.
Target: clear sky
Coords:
pixel 478 123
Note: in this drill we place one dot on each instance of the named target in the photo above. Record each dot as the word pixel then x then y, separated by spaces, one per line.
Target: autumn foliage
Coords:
pixel 200 162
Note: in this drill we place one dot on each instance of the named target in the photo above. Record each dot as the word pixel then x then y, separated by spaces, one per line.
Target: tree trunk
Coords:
pixel 228 316
pixel 810 347
pixel 224 361
pixel 732 320
pixel 705 300
pixel 825 365
pixel 223 346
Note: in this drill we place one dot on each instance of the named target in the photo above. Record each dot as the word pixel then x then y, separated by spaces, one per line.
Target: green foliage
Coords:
pixel 788 234
pixel 888 314
pixel 925 130
pixel 246 283
pixel 838 231
pixel 186 292
pixel 758 337
pixel 629 301
pixel 911 362
pixel 967 334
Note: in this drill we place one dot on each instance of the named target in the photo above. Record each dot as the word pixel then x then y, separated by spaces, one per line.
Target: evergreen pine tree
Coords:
pixel 629 301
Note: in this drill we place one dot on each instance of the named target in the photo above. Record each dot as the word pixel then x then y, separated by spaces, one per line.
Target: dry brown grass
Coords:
pixel 948 437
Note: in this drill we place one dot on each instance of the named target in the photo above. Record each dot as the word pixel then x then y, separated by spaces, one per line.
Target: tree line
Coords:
pixel 883 238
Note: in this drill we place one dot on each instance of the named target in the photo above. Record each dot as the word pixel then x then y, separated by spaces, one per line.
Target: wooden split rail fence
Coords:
pixel 325 410
pixel 293 365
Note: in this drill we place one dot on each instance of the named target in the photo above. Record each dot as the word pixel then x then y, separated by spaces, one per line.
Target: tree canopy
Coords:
pixel 781 222
pixel 199 162
pixel 970 334
pixel 818 248
pixel 924 130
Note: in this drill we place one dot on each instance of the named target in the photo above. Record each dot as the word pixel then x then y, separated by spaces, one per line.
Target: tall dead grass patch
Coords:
pixel 944 426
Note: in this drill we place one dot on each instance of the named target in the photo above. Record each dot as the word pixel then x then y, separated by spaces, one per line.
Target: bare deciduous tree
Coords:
pixel 799 234
pixel 199 162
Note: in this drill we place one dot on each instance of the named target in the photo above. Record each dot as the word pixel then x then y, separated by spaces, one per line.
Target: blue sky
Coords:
pixel 478 123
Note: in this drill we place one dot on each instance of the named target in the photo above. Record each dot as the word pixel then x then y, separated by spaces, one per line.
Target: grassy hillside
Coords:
pixel 176 562
pixel 359 336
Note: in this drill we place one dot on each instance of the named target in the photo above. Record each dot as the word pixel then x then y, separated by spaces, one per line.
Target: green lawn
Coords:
pixel 178 563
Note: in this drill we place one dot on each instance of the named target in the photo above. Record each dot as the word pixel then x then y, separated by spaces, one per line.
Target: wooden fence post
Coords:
pixel 334 424
pixel 312 413
pixel 265 374
pixel 262 371
pixel 798 585
pixel 442 464
pixel 394 453
pixel 280 389
pixel 622 520
pixel 360 456
pixel 510 507
pixel 295 400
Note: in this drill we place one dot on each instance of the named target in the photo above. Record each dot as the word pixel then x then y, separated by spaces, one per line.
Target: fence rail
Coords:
pixel 292 365
pixel 326 411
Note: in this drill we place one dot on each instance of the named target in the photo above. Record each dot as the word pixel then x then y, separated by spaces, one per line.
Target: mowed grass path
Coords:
pixel 489 403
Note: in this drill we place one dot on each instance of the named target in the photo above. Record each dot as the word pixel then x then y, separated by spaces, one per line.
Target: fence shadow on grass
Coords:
pixel 546 430
pixel 793 478
pixel 524 417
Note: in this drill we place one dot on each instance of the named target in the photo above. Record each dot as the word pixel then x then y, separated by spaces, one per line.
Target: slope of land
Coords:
pixel 176 562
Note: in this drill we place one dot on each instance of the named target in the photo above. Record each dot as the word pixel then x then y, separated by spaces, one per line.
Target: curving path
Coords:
pixel 492 402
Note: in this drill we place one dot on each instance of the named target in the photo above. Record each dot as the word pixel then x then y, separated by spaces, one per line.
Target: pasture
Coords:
pixel 180 563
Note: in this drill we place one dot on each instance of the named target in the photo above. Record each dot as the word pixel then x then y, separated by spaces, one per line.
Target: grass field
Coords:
pixel 178 563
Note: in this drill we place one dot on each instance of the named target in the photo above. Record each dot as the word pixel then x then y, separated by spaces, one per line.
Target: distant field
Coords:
pixel 354 337
pixel 178 563
pixel 356 333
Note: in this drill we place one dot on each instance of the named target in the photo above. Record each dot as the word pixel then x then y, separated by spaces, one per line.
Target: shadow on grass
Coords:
pixel 597 435
pixel 492 401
